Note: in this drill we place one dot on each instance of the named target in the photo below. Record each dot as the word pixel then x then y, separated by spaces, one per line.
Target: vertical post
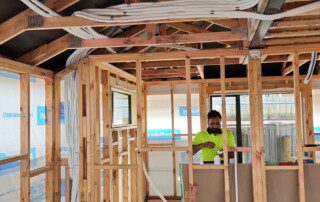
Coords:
pixel 81 129
pixel 93 130
pixel 67 184
pixel 224 129
pixel 49 139
pixel 298 122
pixel 96 128
pixel 145 134
pixel 309 112
pixel 203 105
pixel 190 151
pixel 133 172
pixel 57 141
pixel 25 137
pixel 115 172
pixel 139 131
pixel 125 161
pixel 173 141
pixel 106 107
pixel 256 127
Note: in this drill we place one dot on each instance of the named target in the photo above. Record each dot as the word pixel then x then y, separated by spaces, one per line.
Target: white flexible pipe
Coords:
pixel 312 65
pixel 154 188
pixel 180 9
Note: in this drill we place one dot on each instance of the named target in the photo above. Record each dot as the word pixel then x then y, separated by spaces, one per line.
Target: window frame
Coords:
pixel 129 108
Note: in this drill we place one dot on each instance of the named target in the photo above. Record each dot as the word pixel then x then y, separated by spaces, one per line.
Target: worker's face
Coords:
pixel 214 123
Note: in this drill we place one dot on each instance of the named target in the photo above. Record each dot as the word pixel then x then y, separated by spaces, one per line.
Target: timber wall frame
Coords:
pixel 25 71
pixel 119 151
pixel 89 84
pixel 254 85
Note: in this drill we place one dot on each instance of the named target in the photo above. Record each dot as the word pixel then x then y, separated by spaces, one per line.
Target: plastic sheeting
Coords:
pixel 71 127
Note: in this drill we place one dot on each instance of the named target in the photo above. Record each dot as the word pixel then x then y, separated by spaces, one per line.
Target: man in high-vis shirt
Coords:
pixel 210 141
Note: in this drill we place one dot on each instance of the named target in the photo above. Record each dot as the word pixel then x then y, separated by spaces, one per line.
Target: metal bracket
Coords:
pixel 35 21
pixel 254 54
pixel 75 42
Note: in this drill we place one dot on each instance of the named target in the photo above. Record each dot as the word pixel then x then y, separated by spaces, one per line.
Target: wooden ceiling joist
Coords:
pixel 177 63
pixel 161 40
pixel 292 40
pixel 48 51
pixel 23 21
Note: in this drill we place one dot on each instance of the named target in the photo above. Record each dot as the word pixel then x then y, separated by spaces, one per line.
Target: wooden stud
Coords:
pixel 190 152
pixel 106 107
pixel 224 130
pixel 309 113
pixel 25 137
pixel 139 131
pixel 133 173
pixel 145 135
pixel 57 142
pixel 115 172
pixel 67 184
pixel 299 129
pixel 49 139
pixel 256 125
pixel 203 105
pixel 125 171
pixel 173 142
pixel 82 129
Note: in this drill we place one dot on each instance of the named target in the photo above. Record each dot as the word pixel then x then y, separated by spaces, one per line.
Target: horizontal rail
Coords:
pixel 11 159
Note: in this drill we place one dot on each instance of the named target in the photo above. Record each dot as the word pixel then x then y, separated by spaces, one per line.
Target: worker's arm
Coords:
pixel 196 148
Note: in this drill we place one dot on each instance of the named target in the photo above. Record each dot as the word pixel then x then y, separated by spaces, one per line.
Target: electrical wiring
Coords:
pixel 311 68
pixel 164 10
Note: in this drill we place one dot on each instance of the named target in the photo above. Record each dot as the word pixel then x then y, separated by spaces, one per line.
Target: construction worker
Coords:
pixel 210 141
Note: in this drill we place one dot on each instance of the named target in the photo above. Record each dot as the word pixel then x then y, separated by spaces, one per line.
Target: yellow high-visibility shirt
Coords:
pixel 204 136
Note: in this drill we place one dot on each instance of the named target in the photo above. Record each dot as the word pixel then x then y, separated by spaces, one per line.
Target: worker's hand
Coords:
pixel 209 145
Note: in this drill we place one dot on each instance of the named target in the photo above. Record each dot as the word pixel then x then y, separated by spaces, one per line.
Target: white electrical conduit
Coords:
pixel 182 9
pixel 133 13
pixel 312 65
pixel 153 187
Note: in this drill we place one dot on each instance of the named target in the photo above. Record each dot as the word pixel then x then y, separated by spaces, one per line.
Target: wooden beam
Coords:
pixel 23 21
pixel 73 21
pixel 167 71
pixel 11 159
pixel 292 33
pixel 291 40
pixel 177 63
pixel 256 125
pixel 295 23
pixel 299 129
pixel 173 55
pixel 289 69
pixel 39 171
pixel 25 137
pixel 48 51
pixel 189 28
pixel 17 67
pixel 161 40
